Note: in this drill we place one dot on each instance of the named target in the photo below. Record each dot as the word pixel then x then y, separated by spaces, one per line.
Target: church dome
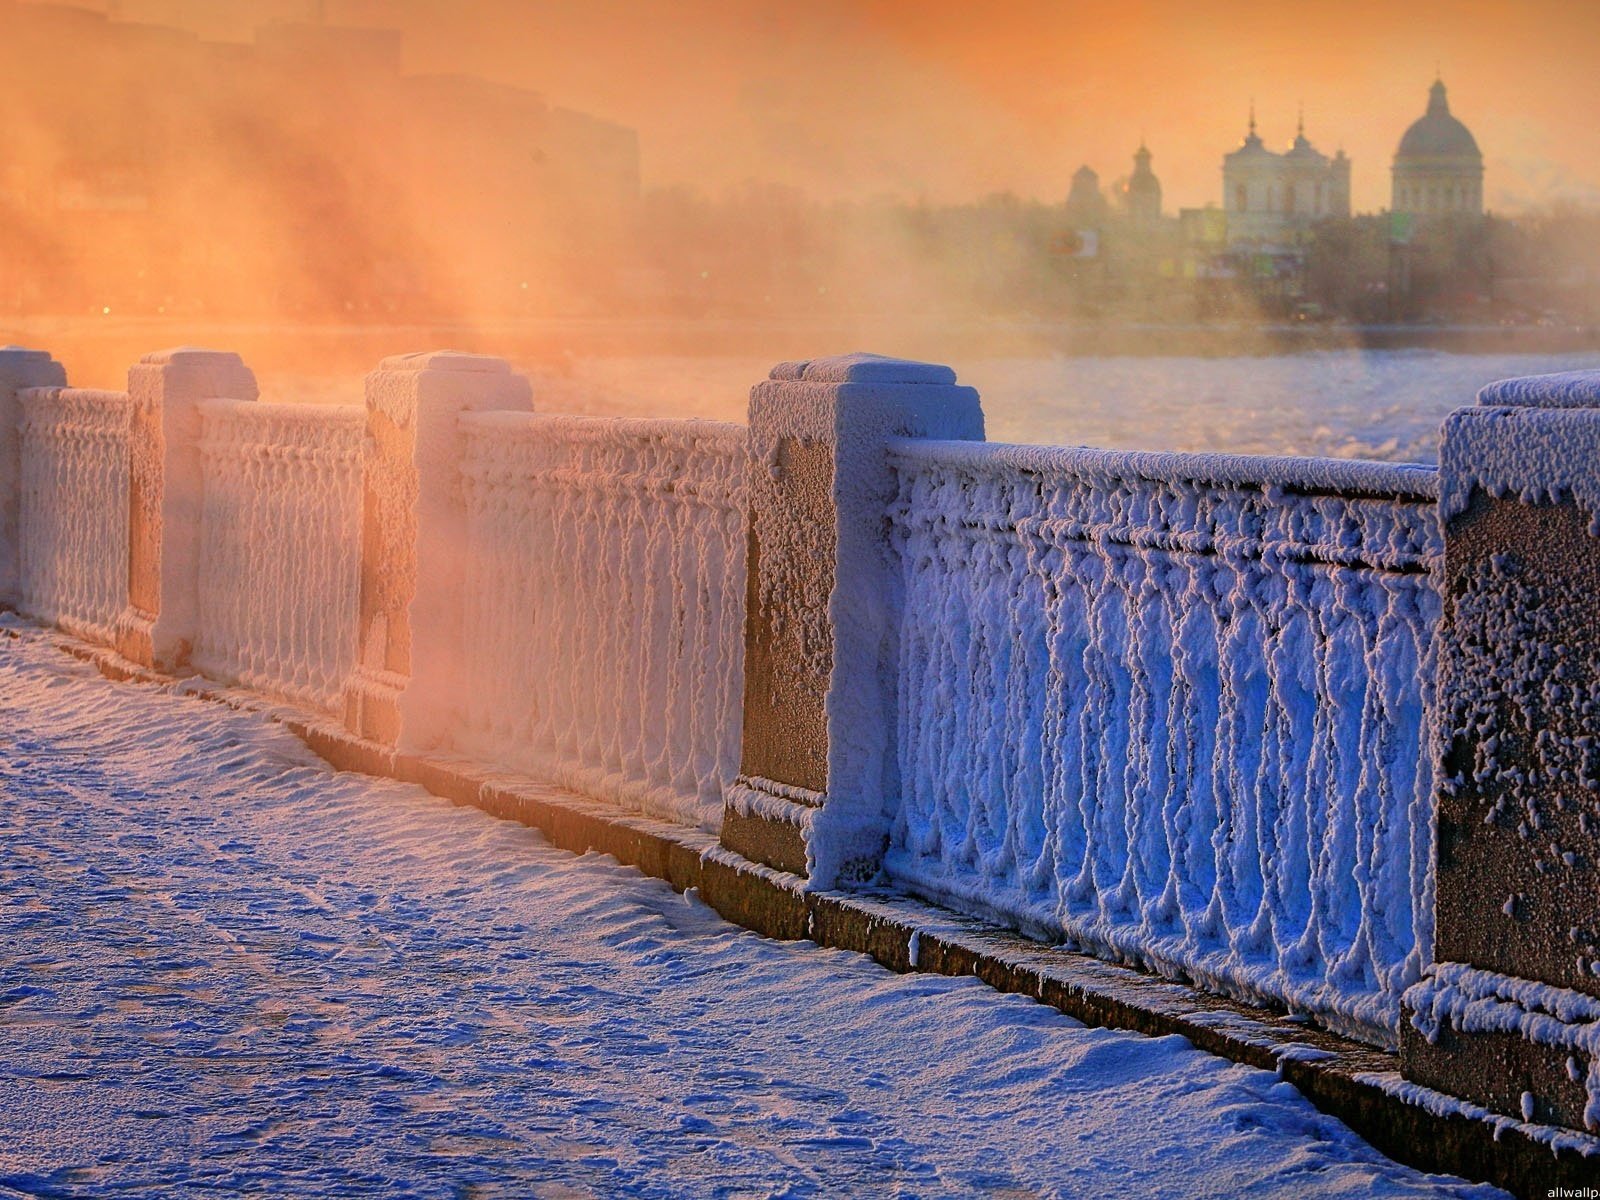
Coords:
pixel 1437 134
pixel 1304 150
pixel 1251 148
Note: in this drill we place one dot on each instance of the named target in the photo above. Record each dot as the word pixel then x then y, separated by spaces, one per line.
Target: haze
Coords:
pixel 951 101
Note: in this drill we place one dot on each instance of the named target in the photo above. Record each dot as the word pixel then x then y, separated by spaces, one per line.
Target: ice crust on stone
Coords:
pixel 1175 709
pixel 280 557
pixel 73 511
pixel 1520 725
pixel 1471 1000
pixel 1559 389
pixel 1537 455
pixel 414 498
pixel 854 403
pixel 605 604
pixel 1556 1137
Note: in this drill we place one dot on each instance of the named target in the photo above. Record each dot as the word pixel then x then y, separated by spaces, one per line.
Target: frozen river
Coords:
pixel 225 969
pixel 1384 404
pixel 1344 403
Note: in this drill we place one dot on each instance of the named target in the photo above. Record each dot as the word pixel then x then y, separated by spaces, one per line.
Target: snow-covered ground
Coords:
pixel 225 968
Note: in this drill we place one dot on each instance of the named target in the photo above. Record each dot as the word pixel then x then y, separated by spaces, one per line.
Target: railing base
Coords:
pixel 1473 1038
pixel 769 823
pixel 773 843
pixel 372 705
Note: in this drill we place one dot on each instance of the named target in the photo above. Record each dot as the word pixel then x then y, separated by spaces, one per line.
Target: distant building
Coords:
pixel 1141 195
pixel 1438 169
pixel 132 178
pixel 1271 199
pixel 1086 203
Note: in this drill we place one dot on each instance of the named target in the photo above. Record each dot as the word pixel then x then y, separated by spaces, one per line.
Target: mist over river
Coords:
pixel 1190 389
pixel 1383 404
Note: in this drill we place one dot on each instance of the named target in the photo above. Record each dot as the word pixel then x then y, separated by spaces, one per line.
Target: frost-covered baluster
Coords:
pixel 406 688
pixel 167 494
pixel 19 369
pixel 1509 1017
pixel 818 768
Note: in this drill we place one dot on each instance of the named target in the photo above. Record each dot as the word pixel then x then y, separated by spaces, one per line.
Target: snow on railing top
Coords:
pixel 1346 511
pixel 1342 476
pixel 69 412
pixel 688 459
pixel 316 430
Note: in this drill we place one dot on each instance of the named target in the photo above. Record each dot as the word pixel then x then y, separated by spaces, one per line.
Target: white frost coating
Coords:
pixel 19 369
pixel 1471 1000
pixel 1538 455
pixel 1340 476
pixel 604 601
pixel 73 519
pixel 413 633
pixel 1556 1137
pixel 1174 708
pixel 856 404
pixel 280 547
pixel 1563 389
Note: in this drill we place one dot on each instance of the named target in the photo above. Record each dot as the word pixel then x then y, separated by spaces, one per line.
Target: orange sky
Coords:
pixel 953 99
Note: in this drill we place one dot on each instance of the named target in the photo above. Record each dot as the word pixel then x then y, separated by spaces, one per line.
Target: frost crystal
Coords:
pixel 1175 708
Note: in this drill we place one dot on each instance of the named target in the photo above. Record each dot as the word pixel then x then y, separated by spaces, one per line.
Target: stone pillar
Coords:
pixel 166 495
pixel 1509 1018
pixel 405 689
pixel 818 770
pixel 19 369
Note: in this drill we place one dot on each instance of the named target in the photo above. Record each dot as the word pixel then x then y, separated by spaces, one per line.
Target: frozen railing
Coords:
pixel 605 598
pixel 73 509
pixel 1175 708
pixel 280 547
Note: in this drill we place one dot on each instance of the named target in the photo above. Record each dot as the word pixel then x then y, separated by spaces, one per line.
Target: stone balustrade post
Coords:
pixel 1509 1017
pixel 406 687
pixel 818 768
pixel 19 369
pixel 166 497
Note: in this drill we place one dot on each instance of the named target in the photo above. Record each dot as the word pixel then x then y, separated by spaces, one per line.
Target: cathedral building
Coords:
pixel 1272 199
pixel 1141 194
pixel 1438 169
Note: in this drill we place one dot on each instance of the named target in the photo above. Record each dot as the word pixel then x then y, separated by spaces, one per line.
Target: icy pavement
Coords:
pixel 224 968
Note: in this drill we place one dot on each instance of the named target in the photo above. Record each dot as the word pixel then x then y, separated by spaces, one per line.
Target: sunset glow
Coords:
pixel 953 100
pixel 779 598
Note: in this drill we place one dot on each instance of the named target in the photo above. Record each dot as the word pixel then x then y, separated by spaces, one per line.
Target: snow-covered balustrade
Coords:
pixel 280 547
pixel 605 595
pixel 20 369
pixel 72 545
pixel 167 500
pixel 1175 709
